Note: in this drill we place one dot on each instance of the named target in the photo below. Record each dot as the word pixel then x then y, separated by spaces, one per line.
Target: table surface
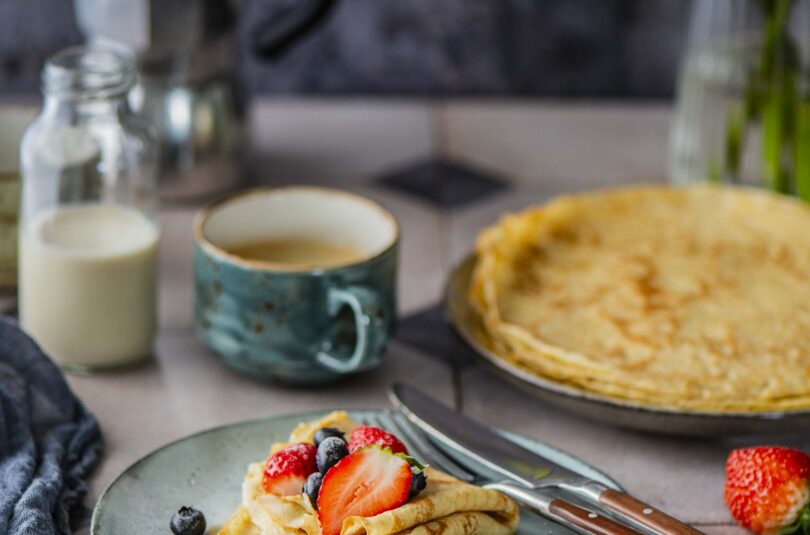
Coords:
pixel 542 150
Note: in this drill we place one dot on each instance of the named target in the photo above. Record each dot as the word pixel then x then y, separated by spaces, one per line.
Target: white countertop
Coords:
pixel 544 149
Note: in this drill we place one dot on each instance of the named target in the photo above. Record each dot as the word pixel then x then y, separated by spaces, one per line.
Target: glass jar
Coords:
pixel 743 111
pixel 88 224
pixel 13 122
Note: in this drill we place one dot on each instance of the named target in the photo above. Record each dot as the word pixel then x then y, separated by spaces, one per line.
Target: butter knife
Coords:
pixel 518 464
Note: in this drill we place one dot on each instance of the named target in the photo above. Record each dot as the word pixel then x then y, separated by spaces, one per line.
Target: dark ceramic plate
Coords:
pixel 603 408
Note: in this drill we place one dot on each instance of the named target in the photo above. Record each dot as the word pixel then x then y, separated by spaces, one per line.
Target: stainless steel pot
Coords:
pixel 189 88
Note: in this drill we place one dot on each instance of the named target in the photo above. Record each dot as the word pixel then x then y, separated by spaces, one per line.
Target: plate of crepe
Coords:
pixel 675 310
pixel 215 471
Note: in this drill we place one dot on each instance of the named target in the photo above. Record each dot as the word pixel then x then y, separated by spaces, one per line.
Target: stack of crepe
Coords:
pixel 694 298
pixel 447 505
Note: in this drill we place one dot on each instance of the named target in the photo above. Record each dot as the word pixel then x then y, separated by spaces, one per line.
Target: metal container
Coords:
pixel 189 88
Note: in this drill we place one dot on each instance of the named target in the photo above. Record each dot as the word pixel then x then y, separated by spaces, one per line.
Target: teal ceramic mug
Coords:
pixel 296 284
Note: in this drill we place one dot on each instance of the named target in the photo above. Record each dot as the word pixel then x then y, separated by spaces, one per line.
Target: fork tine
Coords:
pixel 418 444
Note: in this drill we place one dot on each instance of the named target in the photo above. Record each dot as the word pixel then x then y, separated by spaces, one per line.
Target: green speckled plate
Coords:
pixel 206 469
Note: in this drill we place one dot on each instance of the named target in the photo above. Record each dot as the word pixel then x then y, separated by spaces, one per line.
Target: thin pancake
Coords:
pixel 691 298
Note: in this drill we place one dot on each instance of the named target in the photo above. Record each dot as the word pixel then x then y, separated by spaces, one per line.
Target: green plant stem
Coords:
pixel 777 78
pixel 774 137
pixel 771 98
pixel 735 140
pixel 801 150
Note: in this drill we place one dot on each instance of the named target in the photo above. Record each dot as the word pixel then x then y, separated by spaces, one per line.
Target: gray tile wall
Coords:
pixel 579 48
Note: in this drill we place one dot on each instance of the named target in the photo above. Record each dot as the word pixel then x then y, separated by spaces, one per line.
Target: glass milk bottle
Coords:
pixel 88 227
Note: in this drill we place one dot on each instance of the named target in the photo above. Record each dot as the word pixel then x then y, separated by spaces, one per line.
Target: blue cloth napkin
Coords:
pixel 48 440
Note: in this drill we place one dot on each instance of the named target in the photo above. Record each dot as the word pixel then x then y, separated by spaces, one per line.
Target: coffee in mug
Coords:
pixel 301 253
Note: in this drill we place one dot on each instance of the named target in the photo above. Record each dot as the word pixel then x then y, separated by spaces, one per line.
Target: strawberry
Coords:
pixel 368 482
pixel 366 435
pixel 287 470
pixel 767 489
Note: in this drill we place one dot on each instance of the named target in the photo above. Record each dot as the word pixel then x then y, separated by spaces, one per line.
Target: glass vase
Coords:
pixel 743 106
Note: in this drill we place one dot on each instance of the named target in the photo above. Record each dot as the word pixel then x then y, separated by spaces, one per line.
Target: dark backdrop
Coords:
pixel 548 48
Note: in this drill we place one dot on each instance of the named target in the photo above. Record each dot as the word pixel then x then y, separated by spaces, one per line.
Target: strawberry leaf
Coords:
pixel 416 466
pixel 801 526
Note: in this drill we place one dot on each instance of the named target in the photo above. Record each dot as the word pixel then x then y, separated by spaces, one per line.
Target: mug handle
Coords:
pixel 370 329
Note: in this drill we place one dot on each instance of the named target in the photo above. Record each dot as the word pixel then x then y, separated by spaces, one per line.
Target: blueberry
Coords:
pixel 418 484
pixel 330 451
pixel 312 487
pixel 188 521
pixel 326 432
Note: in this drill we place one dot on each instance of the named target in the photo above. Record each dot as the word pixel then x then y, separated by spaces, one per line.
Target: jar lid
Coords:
pixel 91 72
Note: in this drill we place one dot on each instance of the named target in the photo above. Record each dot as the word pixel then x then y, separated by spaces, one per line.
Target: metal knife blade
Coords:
pixel 478 441
pixel 517 463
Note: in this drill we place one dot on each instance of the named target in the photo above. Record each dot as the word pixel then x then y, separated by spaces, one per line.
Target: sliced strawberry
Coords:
pixel 366 483
pixel 767 489
pixel 287 470
pixel 367 435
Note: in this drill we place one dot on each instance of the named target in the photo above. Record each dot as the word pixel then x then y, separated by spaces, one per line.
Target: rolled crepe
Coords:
pixel 447 505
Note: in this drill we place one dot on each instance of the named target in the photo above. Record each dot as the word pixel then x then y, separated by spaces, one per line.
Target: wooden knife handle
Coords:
pixel 588 520
pixel 644 514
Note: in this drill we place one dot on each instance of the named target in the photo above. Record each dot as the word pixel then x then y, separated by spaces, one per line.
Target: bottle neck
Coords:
pixel 88 81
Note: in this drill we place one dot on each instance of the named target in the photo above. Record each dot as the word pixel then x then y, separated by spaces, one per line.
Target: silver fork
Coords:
pixel 540 501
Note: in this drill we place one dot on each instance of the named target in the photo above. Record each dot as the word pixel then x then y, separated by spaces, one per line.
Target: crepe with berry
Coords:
pixel 335 477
